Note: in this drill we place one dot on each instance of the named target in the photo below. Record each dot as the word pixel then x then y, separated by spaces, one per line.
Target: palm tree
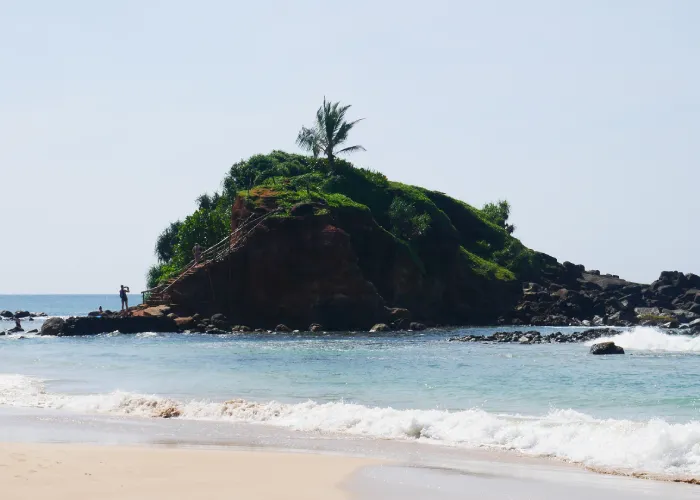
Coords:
pixel 330 131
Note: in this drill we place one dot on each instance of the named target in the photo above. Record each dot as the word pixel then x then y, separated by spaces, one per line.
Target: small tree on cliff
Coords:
pixel 329 132
pixel 498 213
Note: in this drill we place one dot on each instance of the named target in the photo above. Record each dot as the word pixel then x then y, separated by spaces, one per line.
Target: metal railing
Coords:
pixel 214 253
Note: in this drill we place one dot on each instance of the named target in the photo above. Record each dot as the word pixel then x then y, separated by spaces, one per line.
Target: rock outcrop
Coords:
pixel 93 326
pixel 570 295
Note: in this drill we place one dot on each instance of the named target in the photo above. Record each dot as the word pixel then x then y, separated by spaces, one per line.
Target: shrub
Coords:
pixel 158 273
pixel 406 223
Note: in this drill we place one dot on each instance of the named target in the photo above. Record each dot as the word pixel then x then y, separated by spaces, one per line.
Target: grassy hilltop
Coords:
pixel 416 218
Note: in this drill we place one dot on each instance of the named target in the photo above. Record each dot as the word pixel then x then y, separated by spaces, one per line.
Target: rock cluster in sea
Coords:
pixel 535 337
pixel 9 315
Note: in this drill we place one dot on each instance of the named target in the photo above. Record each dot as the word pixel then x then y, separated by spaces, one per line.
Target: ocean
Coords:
pixel 638 413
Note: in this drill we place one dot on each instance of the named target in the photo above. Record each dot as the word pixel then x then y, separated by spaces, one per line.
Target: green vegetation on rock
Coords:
pixel 415 217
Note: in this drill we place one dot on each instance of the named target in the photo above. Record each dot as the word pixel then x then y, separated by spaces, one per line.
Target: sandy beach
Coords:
pixel 75 472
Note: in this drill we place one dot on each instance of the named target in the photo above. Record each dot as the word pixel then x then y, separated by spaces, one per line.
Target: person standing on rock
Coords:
pixel 197 251
pixel 125 298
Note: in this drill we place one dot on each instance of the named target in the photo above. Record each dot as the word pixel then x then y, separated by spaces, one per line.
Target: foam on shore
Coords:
pixel 654 446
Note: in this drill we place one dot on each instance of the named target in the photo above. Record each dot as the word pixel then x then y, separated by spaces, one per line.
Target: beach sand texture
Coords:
pixel 76 472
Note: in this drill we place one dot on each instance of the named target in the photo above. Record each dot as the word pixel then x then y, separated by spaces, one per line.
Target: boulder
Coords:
pixel 380 327
pixel 33 331
pixel 399 313
pixel 16 329
pixel 606 348
pixel 244 329
pixel 157 311
pixel 186 322
pixel 52 326
pixel 315 327
pixel 6 314
pixel 282 328
pixel 692 280
pixel 93 314
pixel 417 327
pixel 219 321
pixel 21 314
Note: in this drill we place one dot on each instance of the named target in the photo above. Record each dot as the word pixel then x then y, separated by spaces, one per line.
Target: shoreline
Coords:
pixel 57 427
pixel 69 471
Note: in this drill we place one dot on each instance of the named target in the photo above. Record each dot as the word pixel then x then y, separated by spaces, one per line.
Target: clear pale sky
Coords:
pixel 115 116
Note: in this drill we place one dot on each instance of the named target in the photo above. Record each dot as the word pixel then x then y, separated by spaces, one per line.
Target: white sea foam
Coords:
pixel 653 446
pixel 644 338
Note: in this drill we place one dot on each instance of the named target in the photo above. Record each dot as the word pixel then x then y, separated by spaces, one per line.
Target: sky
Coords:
pixel 115 116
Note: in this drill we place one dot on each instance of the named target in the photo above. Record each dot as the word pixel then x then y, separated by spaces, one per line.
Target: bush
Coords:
pixel 406 223
pixel 159 273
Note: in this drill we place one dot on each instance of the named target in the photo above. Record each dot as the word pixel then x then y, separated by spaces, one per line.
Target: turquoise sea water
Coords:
pixel 640 411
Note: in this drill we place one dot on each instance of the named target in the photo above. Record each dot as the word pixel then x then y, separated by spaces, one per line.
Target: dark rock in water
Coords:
pixel 216 331
pixel 219 321
pixel 16 329
pixel 315 327
pixel 6 314
pixel 33 331
pixel 94 326
pixel 417 326
pixel 606 348
pixel 94 314
pixel 380 327
pixel 244 329
pixel 52 326
pixel 282 328
pixel 535 337
pixel 21 314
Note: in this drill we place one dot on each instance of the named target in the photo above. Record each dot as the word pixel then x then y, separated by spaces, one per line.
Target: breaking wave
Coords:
pixel 654 446
pixel 644 338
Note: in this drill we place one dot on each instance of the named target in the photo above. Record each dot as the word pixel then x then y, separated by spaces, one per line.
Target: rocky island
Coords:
pixel 343 248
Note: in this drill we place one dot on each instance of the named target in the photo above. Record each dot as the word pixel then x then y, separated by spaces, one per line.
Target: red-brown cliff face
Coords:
pixel 295 270
pixel 342 270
